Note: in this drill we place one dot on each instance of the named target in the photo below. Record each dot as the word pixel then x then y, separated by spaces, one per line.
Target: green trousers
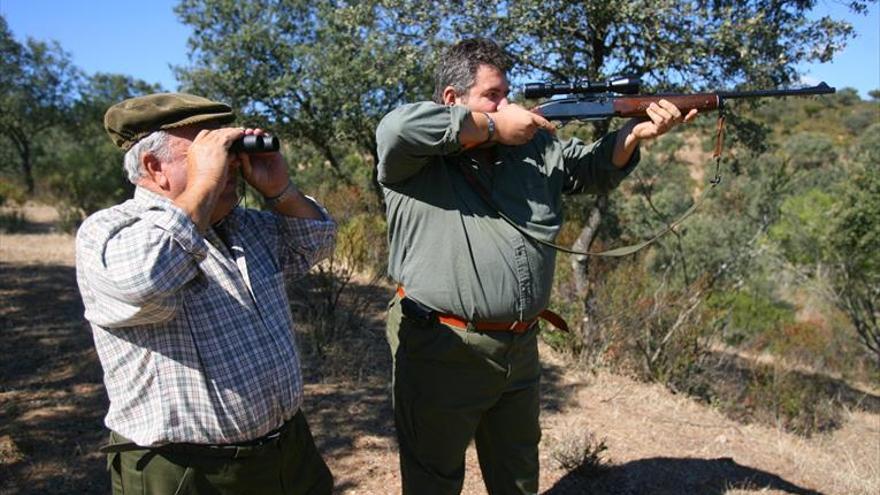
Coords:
pixel 451 386
pixel 290 466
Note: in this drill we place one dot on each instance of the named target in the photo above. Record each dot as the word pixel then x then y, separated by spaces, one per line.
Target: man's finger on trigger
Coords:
pixel 544 123
pixel 691 115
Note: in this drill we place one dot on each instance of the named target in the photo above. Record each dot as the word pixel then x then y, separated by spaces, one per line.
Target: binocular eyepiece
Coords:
pixel 255 144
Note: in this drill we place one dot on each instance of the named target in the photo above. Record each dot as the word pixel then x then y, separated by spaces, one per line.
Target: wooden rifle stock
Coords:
pixel 637 106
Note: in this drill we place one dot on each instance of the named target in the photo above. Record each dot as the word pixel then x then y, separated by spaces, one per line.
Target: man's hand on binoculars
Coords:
pixel 266 172
pixel 209 164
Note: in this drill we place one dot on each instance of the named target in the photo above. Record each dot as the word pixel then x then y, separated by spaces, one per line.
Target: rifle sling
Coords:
pixel 616 252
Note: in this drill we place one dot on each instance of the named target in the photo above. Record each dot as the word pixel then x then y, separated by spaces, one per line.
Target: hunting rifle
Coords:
pixel 599 101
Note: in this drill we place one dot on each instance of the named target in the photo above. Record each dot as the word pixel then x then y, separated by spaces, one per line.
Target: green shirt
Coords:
pixel 448 248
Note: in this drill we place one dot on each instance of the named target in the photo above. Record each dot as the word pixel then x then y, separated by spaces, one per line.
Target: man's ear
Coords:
pixel 450 98
pixel 154 171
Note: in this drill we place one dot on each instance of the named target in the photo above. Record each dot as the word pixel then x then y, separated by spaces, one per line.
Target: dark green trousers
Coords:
pixel 452 386
pixel 292 465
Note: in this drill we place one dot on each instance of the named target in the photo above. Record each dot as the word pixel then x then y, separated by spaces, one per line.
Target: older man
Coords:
pixel 462 325
pixel 185 293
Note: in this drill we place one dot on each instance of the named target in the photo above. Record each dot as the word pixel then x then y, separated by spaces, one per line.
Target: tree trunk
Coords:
pixel 589 331
pixel 28 173
pixel 24 151
pixel 23 147
pixel 580 263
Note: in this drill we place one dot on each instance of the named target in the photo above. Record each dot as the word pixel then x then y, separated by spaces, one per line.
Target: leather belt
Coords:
pixel 226 451
pixel 494 326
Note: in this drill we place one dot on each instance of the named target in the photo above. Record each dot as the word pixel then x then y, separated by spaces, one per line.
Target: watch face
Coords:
pixel 490 124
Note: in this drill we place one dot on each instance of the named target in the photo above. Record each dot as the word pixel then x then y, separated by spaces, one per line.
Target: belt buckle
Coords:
pixel 525 326
pixel 270 437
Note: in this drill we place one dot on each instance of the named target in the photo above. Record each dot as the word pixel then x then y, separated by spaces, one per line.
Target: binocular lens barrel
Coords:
pixel 255 144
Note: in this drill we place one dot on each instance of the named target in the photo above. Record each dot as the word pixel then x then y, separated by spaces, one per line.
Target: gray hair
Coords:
pixel 155 143
pixel 460 62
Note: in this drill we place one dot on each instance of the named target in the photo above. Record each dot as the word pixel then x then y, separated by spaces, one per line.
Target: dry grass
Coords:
pixel 38 242
pixel 51 403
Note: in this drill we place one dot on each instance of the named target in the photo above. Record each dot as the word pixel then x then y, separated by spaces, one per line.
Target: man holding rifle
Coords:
pixel 186 297
pixel 462 326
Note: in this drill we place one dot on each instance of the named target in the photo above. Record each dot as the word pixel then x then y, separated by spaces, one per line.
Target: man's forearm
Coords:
pixel 625 145
pixel 474 130
pixel 198 204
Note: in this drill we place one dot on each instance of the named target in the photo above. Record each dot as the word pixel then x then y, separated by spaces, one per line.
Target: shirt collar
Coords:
pixel 149 198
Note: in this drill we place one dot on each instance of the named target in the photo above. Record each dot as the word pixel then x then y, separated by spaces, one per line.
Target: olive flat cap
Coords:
pixel 131 120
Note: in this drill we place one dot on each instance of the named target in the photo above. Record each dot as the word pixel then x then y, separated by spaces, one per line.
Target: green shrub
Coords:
pixel 361 243
pixel 11 193
pixel 796 403
pixel 810 150
pixel 748 314
pixel 647 330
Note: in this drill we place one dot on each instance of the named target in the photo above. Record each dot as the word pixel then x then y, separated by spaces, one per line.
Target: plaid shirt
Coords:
pixel 195 334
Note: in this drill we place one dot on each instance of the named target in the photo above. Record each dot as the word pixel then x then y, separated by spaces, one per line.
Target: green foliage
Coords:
pixel 866 151
pixel 809 150
pixel 645 330
pixel 846 96
pixel 831 236
pixel 84 168
pixel 321 73
pixel 10 193
pixel 38 85
pixel 672 43
pixel 776 396
pixel 856 277
pixel 361 241
pixel 803 230
pixel 747 315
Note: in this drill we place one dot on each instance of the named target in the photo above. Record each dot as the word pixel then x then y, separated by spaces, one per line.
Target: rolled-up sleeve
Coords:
pixel 297 244
pixel 409 136
pixel 304 242
pixel 589 167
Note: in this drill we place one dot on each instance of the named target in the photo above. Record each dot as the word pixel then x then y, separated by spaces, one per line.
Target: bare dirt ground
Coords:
pixel 52 403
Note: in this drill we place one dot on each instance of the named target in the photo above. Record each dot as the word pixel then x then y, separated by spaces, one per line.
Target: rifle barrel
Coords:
pixel 819 89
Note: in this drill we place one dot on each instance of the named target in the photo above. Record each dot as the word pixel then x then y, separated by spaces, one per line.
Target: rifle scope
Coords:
pixel 622 85
pixel 255 144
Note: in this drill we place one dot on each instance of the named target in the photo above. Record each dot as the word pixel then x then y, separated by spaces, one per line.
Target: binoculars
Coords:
pixel 255 144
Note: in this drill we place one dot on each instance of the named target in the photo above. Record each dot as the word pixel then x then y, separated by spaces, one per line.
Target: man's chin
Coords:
pixel 225 203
